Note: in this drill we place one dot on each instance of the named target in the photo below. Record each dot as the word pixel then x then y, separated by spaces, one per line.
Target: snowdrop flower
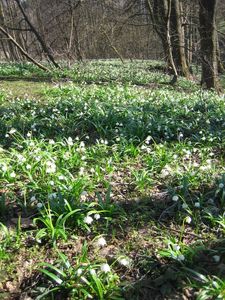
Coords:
pixel 61 177
pixel 180 136
pixel 197 204
pixel 70 141
pixel 88 220
pixel 184 206
pixel 21 158
pixel 39 205
pixel 82 144
pixel 33 198
pixel 28 134
pixel 12 131
pixel 51 182
pixel 79 272
pixel 81 172
pixel 148 139
pixel 66 155
pixel 51 142
pixel 101 242
pixel 195 164
pixel 92 272
pixel 176 247
pixel 188 219
pixel 51 167
pixel 28 167
pixel 125 262
pixel 13 175
pixel 4 168
pixel 83 196
pixel 216 258
pixel 52 196
pixel 180 257
pixel 105 268
pixel 175 198
pixel 97 216
pixel 221 186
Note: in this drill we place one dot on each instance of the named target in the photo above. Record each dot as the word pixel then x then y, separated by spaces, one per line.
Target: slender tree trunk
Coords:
pixel 177 37
pixel 207 29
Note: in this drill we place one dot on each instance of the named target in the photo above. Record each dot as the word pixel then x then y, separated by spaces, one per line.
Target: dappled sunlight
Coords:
pixel 118 188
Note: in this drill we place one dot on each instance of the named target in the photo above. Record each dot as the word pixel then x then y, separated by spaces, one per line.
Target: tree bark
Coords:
pixel 207 29
pixel 177 37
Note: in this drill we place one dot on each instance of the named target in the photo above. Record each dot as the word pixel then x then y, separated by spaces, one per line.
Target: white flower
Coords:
pixel 21 158
pixel 195 164
pixel 175 198
pixel 180 136
pixel 88 220
pixel 197 204
pixel 101 242
pixel 221 186
pixel 33 198
pixel 188 219
pixel 39 205
pixel 61 177
pixel 70 141
pixel 51 167
pixel 13 175
pixel 83 196
pixel 92 272
pixel 176 247
pixel 125 262
pixel 28 167
pixel 28 134
pixel 97 216
pixel 51 142
pixel 4 168
pixel 51 182
pixel 180 257
pixel 184 206
pixel 105 268
pixel 81 172
pixel 79 272
pixel 12 130
pixel 52 196
pixel 82 144
pixel 216 258
pixel 148 139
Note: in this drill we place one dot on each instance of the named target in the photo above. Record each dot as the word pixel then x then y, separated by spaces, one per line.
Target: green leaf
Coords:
pixel 52 276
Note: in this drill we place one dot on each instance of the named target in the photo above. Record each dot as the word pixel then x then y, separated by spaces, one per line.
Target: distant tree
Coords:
pixel 166 16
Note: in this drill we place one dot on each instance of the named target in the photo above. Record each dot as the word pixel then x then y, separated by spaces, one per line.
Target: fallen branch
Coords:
pixel 23 51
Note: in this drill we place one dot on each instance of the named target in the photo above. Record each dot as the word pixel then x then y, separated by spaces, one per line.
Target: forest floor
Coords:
pixel 112 184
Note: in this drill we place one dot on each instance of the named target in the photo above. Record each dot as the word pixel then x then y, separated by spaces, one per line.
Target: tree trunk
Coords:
pixel 207 29
pixel 178 42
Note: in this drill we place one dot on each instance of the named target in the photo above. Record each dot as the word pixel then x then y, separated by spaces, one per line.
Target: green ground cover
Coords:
pixel 112 184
